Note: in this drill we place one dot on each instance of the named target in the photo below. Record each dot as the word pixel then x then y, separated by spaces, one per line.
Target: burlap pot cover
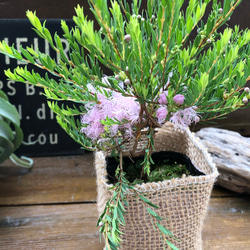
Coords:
pixel 183 201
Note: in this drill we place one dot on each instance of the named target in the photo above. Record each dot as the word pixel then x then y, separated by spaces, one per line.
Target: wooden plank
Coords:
pixel 73 226
pixel 227 224
pixel 56 180
pixel 71 179
pixel 49 227
pixel 52 180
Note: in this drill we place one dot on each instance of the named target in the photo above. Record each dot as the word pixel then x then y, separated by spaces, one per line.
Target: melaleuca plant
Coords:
pixel 140 68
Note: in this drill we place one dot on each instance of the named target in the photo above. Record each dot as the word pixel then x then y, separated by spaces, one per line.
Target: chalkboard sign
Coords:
pixel 37 121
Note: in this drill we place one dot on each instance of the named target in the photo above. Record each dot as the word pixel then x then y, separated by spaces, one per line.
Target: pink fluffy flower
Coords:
pixel 115 106
pixel 163 98
pixel 179 99
pixel 161 114
pixel 93 120
pixel 185 117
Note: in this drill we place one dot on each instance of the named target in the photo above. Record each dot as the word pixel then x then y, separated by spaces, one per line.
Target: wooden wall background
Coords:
pixel 237 121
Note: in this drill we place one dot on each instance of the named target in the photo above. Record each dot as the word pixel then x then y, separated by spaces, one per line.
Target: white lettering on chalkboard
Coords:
pixel 19 110
pixel 19 41
pixel 66 49
pixel 52 115
pixel 41 114
pixel 30 89
pixel 53 140
pixel 11 88
pixel 34 43
pixel 42 139
pixel 40 111
pixel 7 59
pixel 46 47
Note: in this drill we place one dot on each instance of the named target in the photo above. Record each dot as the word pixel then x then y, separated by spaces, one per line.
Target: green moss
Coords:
pixel 161 170
pixel 167 171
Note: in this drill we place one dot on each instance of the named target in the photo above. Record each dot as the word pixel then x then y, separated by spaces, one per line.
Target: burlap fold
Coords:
pixel 183 201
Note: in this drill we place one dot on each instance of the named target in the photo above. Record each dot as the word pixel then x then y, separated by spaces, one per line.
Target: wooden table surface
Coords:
pixel 53 206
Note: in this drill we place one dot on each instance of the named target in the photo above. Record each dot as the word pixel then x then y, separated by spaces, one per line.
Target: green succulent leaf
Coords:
pixel 11 135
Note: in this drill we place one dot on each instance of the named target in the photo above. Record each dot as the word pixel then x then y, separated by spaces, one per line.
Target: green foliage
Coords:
pixel 141 48
pixel 11 135
pixel 206 68
pixel 113 215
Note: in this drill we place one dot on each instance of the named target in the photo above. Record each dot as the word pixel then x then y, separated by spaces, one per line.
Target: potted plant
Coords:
pixel 133 86
pixel 11 135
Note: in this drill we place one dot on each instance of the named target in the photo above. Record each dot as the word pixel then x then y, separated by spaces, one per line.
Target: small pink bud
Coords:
pixel 196 119
pixel 127 82
pixel 220 10
pixel 161 113
pixel 127 38
pixel 245 100
pixel 117 77
pixel 246 90
pixel 179 99
pixel 163 98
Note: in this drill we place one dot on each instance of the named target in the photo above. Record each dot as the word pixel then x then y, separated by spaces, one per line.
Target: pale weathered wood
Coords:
pixel 49 227
pixel 52 180
pixel 231 153
pixel 227 225
pixel 73 226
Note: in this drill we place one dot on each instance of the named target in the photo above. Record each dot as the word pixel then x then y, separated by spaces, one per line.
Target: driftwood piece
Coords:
pixel 231 154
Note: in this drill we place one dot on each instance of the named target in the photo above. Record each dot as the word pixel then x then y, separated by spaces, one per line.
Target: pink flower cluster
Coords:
pixel 179 99
pixel 116 106
pixel 185 117
pixel 163 98
pixel 182 117
pixel 162 112
pixel 126 110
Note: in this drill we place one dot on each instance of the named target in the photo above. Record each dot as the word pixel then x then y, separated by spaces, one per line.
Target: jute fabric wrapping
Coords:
pixel 183 201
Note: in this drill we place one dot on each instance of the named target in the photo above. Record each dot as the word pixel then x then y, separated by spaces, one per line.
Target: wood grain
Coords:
pixel 37 210
pixel 52 180
pixel 49 227
pixel 227 225
pixel 73 226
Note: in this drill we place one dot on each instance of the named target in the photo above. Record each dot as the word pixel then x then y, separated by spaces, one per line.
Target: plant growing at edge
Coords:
pixel 165 64
pixel 11 135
